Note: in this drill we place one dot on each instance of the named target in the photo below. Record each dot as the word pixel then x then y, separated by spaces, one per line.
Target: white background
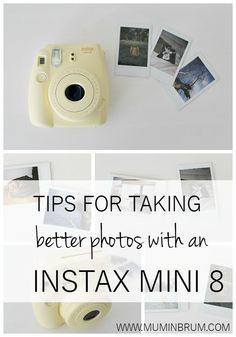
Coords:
pixel 141 114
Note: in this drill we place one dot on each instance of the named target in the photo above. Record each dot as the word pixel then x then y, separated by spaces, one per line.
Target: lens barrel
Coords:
pixel 91 315
pixel 74 92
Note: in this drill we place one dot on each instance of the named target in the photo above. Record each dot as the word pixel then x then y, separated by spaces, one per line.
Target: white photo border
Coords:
pixel 174 94
pixel 44 173
pixel 195 166
pixel 160 75
pixel 44 169
pixel 182 306
pixel 133 71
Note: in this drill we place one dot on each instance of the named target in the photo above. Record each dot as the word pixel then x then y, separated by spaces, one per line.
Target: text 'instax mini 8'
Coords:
pixel 69 86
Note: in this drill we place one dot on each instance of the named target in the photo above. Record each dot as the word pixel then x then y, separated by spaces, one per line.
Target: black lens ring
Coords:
pixel 74 92
pixel 91 315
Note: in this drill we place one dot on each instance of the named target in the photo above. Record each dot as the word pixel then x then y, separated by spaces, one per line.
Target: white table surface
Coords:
pixel 141 114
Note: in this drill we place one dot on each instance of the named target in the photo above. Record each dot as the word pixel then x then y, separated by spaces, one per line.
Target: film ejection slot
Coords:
pixel 56 57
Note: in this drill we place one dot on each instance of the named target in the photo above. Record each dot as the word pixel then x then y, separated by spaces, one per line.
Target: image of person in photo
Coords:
pixel 192 79
pixel 168 52
pixel 21 188
pixel 133 47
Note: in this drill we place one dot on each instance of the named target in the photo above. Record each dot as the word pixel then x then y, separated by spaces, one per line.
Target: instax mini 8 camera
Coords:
pixel 55 307
pixel 69 86
pixel 77 316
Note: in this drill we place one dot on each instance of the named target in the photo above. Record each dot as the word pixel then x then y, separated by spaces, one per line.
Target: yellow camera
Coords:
pixel 77 316
pixel 55 307
pixel 69 86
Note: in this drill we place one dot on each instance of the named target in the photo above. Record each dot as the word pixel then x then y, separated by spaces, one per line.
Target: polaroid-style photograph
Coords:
pixel 133 55
pixel 21 182
pixel 161 306
pixel 124 186
pixel 198 180
pixel 165 306
pixel 168 54
pixel 167 302
pixel 78 219
pixel 222 299
pixel 192 79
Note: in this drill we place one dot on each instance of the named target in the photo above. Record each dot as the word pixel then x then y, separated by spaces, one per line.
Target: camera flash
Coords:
pixel 56 57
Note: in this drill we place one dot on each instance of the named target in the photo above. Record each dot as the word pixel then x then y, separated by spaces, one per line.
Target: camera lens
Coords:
pixel 74 92
pixel 90 315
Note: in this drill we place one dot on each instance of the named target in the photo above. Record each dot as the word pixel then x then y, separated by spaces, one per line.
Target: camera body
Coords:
pixel 56 308
pixel 68 86
pixel 78 316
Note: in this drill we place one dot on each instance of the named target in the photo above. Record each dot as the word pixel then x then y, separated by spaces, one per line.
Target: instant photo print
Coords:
pixel 193 79
pixel 128 185
pixel 166 306
pixel 21 182
pixel 79 219
pixel 133 52
pixel 168 301
pixel 168 54
pixel 198 180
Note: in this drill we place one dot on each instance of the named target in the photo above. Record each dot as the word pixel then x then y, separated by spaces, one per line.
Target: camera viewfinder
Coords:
pixel 41 60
